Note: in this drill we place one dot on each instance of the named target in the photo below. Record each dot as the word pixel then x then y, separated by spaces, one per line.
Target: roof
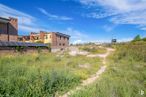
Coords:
pixel 4 20
pixel 58 33
pixel 61 34
pixel 9 44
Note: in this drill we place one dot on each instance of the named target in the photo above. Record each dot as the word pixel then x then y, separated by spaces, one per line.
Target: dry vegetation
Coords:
pixel 43 75
pixel 125 76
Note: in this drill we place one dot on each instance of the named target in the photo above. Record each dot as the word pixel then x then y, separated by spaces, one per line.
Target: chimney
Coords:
pixel 13 28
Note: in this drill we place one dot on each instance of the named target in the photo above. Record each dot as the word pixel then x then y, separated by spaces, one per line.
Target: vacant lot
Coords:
pixel 125 75
pixel 43 74
pixel 93 49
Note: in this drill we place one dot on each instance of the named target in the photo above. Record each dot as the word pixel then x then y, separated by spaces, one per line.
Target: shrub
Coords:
pixel 125 76
pixel 93 49
pixel 137 38
pixel 144 39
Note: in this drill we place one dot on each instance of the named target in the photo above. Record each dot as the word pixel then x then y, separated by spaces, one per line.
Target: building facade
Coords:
pixel 24 38
pixel 59 40
pixel 8 29
pixel 55 39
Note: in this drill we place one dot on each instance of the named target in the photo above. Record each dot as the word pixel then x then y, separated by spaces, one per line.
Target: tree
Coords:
pixel 144 39
pixel 137 38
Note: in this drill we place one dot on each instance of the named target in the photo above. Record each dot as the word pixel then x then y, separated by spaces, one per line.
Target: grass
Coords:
pixel 125 76
pixel 93 49
pixel 42 75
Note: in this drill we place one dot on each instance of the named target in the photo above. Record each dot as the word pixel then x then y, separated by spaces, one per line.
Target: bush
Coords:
pixel 32 76
pixel 144 39
pixel 93 50
pixel 42 75
pixel 125 76
pixel 38 85
pixel 137 38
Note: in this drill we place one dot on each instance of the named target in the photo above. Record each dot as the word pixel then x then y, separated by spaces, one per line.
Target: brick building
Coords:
pixel 8 29
pixel 24 38
pixel 59 40
pixel 56 39
pixel 38 37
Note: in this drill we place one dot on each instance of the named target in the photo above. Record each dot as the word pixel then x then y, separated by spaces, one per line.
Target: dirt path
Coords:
pixel 94 77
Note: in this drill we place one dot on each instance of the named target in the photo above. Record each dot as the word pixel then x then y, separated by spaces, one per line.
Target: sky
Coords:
pixel 83 20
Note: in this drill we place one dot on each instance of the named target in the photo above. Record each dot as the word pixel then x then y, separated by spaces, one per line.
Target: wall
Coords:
pixel 12 50
pixel 13 29
pixel 59 41
pixel 3 32
pixel 9 32
pixel 3 28
pixel 48 38
pixel 3 37
pixel 54 41
pixel 37 37
pixel 42 36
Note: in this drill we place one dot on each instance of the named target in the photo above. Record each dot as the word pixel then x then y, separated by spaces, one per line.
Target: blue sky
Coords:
pixel 84 20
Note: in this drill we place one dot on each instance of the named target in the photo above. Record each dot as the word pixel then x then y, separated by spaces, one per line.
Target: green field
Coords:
pixel 125 75
pixel 48 74
pixel 43 74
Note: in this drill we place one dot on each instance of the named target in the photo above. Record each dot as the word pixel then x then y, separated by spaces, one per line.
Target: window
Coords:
pixel 36 38
pixel 63 44
pixel 59 44
pixel 46 36
pixel 0 30
pixel 67 38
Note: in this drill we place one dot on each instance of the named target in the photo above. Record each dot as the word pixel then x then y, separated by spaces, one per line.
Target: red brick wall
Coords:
pixel 13 26
pixel 42 36
pixel 12 29
pixel 13 38
pixel 58 43
pixel 54 40
pixel 3 37
pixel 3 32
pixel 31 37
pixel 3 28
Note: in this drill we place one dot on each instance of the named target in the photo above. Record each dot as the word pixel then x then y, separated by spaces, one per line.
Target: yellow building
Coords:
pixel 56 39
pixel 48 38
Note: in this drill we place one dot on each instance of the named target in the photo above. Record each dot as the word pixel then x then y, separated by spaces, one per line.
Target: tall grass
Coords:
pixel 125 76
pixel 41 75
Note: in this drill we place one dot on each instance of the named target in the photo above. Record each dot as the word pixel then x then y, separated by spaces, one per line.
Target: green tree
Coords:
pixel 144 39
pixel 137 38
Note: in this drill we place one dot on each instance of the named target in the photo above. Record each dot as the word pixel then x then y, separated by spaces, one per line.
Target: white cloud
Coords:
pixel 78 41
pixel 31 28
pixel 120 11
pixel 143 28
pixel 26 22
pixel 119 5
pixel 52 16
pixel 76 35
